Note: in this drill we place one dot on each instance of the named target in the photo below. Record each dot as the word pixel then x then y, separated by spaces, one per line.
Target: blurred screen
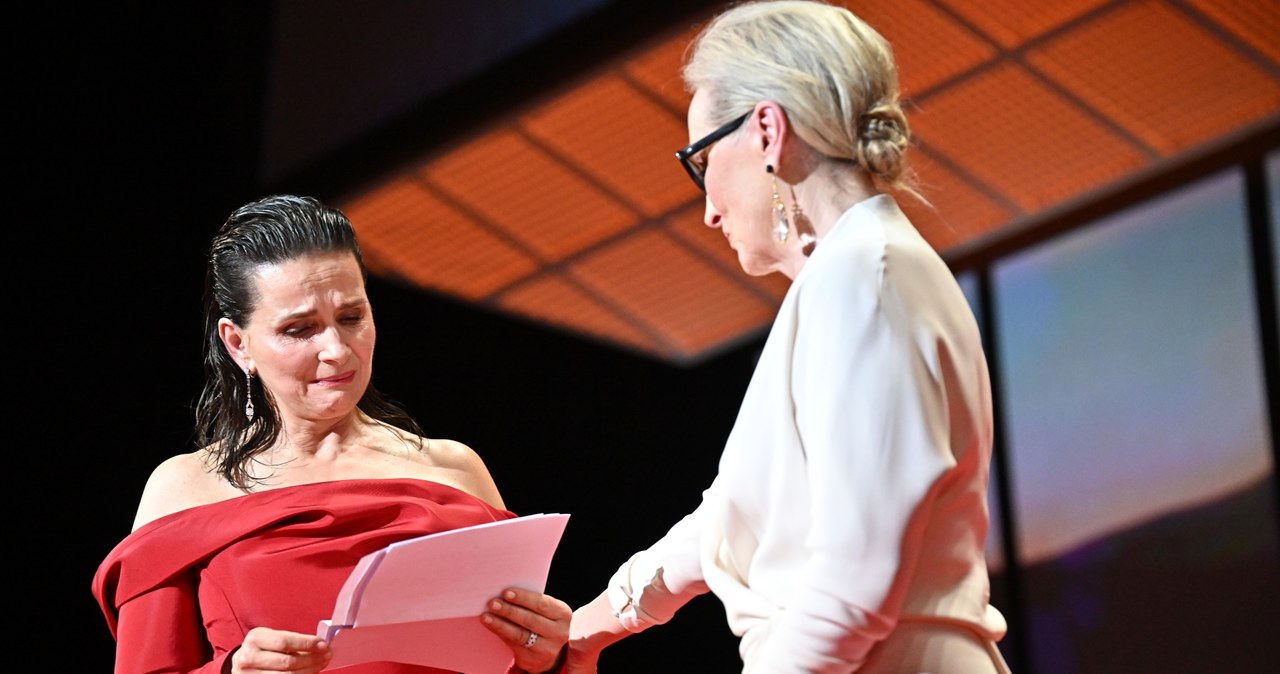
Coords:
pixel 1273 192
pixel 1138 444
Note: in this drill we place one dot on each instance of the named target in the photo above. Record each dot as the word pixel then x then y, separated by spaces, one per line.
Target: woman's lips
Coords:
pixel 338 379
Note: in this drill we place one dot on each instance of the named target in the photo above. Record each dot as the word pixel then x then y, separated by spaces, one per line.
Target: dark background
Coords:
pixel 138 129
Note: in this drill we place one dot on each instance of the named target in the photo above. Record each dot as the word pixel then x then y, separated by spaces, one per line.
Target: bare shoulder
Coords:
pixel 180 482
pixel 466 467
pixel 451 453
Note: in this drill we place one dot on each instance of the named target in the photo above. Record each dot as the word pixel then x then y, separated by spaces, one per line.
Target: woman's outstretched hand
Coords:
pixel 534 625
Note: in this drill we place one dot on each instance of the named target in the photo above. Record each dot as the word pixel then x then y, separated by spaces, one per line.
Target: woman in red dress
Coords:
pixel 240 548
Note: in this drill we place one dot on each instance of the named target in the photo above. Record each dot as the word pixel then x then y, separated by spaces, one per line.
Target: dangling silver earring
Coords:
pixel 248 395
pixel 781 225
pixel 804 228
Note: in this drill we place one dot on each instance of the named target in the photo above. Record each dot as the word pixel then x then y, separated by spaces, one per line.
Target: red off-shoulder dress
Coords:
pixel 180 593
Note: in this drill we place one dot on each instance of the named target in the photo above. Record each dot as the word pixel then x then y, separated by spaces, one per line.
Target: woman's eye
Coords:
pixel 700 159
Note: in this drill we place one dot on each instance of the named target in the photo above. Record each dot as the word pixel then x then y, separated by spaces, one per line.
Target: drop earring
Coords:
pixel 248 395
pixel 804 228
pixel 781 225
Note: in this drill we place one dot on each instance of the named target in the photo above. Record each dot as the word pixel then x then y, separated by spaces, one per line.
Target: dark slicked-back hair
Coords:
pixel 268 231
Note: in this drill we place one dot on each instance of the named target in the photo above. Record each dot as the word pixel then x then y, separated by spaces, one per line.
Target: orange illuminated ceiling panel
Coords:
pixel 661 284
pixel 928 46
pixel 1196 88
pixel 625 139
pixel 556 301
pixel 1257 22
pixel 406 232
pixel 1015 134
pixel 541 204
pixel 573 211
pixel 657 70
pixel 686 226
pixel 1012 22
pixel 960 212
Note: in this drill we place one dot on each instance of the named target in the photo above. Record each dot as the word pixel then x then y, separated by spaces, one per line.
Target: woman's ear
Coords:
pixel 774 131
pixel 233 340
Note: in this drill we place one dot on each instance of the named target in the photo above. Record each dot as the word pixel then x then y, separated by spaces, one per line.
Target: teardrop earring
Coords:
pixel 804 228
pixel 248 395
pixel 781 225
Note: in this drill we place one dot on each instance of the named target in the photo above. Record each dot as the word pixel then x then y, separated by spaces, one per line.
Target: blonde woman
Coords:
pixel 844 531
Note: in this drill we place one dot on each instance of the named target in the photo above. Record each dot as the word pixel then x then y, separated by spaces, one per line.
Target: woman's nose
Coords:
pixel 332 345
pixel 710 216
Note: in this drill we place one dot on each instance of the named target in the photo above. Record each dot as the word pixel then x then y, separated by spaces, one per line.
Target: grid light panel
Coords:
pixel 574 213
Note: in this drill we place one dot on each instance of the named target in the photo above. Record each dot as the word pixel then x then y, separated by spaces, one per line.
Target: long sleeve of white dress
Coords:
pixel 851 491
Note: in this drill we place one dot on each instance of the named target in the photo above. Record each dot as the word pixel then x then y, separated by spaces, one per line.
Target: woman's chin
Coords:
pixel 754 266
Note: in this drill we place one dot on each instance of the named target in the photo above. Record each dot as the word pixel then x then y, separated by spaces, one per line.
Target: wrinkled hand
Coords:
pixel 268 650
pixel 517 614
pixel 580 662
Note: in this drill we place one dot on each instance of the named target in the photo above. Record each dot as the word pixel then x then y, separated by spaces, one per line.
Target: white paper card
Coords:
pixel 418 601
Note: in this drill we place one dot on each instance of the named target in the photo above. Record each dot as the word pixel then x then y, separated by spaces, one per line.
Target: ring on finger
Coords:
pixel 533 639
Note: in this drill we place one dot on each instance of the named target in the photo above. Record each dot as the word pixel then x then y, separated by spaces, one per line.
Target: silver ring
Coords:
pixel 533 639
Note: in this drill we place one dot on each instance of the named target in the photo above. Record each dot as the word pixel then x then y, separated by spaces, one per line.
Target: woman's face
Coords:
pixel 311 335
pixel 739 190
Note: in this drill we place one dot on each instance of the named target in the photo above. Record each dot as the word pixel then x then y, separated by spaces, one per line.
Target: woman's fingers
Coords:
pixel 533 624
pixel 536 606
pixel 268 650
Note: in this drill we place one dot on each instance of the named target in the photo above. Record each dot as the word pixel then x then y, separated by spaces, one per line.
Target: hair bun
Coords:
pixel 882 142
pixel 877 126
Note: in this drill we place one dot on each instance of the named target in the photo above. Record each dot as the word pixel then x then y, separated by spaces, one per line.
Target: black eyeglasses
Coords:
pixel 694 156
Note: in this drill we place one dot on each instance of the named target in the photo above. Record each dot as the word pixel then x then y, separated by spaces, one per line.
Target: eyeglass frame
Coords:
pixel 688 152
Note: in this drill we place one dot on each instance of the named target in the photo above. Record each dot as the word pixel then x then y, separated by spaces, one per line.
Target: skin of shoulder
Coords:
pixel 180 482
pixel 186 481
pixel 466 468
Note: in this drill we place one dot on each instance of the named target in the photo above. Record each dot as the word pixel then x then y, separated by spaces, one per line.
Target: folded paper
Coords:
pixel 419 601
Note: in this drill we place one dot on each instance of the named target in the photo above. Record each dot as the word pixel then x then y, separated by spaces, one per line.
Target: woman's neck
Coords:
pixel 815 205
pixel 320 439
pixel 829 191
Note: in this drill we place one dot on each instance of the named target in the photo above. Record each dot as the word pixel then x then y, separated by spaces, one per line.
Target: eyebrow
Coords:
pixel 352 304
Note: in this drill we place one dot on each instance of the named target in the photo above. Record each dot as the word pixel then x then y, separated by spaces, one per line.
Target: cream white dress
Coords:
pixel 844 531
